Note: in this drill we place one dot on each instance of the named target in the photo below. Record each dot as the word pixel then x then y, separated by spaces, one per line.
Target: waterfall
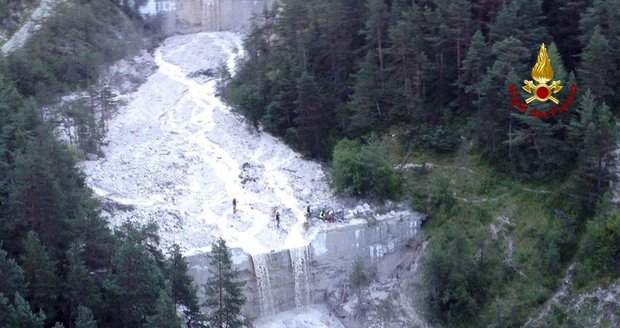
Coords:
pixel 299 261
pixel 261 271
pixel 211 15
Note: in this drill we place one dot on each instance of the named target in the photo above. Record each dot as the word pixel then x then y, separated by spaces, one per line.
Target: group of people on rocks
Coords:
pixel 323 215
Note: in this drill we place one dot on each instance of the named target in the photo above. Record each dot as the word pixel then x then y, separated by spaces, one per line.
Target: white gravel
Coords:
pixel 178 156
pixel 314 316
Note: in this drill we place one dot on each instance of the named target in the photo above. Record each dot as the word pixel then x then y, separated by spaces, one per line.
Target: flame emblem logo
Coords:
pixel 542 73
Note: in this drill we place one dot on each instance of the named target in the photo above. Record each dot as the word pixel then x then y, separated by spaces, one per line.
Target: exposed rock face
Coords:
pixel 280 281
pixel 597 308
pixel 20 37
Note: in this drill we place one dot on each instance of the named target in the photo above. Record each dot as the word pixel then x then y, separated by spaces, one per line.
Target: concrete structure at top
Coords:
pixel 191 16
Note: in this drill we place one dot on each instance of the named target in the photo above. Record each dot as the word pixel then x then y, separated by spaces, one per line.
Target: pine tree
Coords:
pixel 109 106
pixel 41 192
pixel 11 275
pixel 557 63
pixel 521 19
pixel 606 15
pixel 20 315
pixel 494 123
pixel 133 285
pixel 456 28
pixel 165 313
pixel 563 23
pixel 537 149
pixel 408 68
pixel 182 291
pixel 484 12
pixel 40 272
pixel 85 318
pixel 597 66
pixel 223 289
pixel 311 118
pixel 474 67
pixel 369 104
pixel 602 13
pixel 594 135
pixel 80 288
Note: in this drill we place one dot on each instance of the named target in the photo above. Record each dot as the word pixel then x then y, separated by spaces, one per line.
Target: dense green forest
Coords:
pixel 370 85
pixel 61 265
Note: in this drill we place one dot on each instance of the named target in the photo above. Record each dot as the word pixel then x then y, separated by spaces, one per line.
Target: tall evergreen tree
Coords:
pixel 40 272
pixel 165 313
pixel 522 19
pixel 563 24
pixel 85 318
pixel 597 67
pixel 494 122
pixel 11 275
pixel 594 134
pixel 311 116
pixel 474 67
pixel 20 315
pixel 80 289
pixel 456 28
pixel 133 285
pixel 369 104
pixel 223 289
pixel 409 65
pixel 182 291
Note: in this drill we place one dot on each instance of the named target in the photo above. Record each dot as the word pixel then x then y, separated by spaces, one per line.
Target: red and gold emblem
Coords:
pixel 542 73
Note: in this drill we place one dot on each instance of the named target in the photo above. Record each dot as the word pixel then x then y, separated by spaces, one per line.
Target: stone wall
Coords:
pixel 303 276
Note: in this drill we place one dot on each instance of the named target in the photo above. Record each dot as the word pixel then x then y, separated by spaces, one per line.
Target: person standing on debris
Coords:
pixel 234 205
pixel 330 217
pixel 278 219
pixel 308 210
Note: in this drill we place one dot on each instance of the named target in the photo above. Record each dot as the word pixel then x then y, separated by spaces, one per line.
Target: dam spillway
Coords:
pixel 283 280
pixel 191 16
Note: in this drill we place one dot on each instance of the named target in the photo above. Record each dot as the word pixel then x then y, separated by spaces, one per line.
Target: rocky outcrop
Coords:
pixel 280 281
pixel 20 37
pixel 599 307
pixel 394 297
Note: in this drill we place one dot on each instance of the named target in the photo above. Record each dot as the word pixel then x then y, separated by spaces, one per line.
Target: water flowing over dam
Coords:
pixel 191 16
pixel 300 257
pixel 290 278
pixel 177 155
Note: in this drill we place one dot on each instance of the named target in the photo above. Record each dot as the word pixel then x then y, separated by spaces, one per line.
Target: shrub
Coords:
pixel 599 250
pixel 70 49
pixel 364 170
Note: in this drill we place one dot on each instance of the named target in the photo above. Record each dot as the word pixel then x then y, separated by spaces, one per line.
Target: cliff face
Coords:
pixel 38 16
pixel 280 281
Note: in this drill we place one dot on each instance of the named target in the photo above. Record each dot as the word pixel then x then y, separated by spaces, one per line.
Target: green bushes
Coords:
pixel 73 45
pixel 463 269
pixel 599 250
pixel 364 170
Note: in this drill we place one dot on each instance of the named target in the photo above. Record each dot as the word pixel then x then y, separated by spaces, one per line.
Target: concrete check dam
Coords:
pixel 177 155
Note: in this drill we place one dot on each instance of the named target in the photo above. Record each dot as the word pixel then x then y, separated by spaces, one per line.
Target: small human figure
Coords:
pixel 308 210
pixel 322 215
pixel 330 217
pixel 278 219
